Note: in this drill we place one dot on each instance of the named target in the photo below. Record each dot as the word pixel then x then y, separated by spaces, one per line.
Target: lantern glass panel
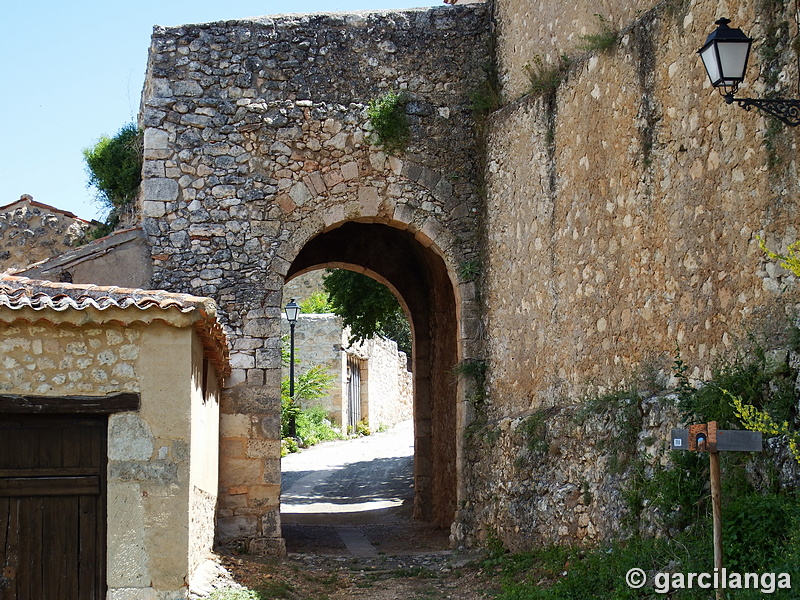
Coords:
pixel 733 60
pixel 711 62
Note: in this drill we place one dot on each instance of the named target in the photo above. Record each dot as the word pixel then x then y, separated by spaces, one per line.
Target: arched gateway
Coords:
pixel 258 167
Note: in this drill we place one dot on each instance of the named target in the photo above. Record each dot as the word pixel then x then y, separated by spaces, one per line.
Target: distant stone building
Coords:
pixel 31 231
pixel 371 380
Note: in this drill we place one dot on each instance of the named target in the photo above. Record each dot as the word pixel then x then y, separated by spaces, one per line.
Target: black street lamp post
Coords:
pixel 725 55
pixel 292 312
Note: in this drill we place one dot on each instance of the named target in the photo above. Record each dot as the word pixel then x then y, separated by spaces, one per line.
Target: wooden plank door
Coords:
pixel 52 507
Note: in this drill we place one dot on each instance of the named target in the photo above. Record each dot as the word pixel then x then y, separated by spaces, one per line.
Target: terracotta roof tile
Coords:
pixel 17 293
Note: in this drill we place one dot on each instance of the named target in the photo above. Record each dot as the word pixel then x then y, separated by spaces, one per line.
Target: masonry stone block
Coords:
pixel 128 558
pixel 160 189
pixel 129 438
pixel 240 526
pixel 239 471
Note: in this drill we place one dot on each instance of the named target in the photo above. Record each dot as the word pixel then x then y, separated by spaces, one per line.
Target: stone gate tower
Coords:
pixel 258 167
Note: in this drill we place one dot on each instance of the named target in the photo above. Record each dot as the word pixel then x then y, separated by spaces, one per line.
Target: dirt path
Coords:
pixel 346 514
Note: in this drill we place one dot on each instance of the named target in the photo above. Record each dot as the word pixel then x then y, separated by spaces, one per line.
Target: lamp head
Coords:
pixel 725 55
pixel 292 311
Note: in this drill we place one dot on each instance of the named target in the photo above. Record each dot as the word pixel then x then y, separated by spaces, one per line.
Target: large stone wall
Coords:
pixel 623 216
pixel 256 146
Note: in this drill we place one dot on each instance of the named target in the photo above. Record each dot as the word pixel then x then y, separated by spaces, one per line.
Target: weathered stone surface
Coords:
pixel 268 147
pixel 31 232
pixel 130 438
pixel 242 526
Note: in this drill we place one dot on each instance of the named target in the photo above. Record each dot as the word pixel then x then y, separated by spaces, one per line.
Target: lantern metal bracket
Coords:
pixel 785 110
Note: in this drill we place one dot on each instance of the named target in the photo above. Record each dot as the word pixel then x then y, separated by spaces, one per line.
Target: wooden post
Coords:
pixel 716 505
pixel 705 437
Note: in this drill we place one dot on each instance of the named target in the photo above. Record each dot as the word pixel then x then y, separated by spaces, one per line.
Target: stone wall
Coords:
pixel 318 342
pixel 558 473
pixel 386 383
pixel 31 231
pixel 256 146
pixel 321 340
pixel 623 215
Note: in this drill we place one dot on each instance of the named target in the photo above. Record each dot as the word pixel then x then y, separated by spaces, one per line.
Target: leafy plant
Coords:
pixel 758 420
pixel 387 114
pixel 474 370
pixel 311 423
pixel 602 40
pixel 789 261
pixel 469 270
pixel 534 432
pixel 367 307
pixel 486 98
pixel 316 304
pixel 114 166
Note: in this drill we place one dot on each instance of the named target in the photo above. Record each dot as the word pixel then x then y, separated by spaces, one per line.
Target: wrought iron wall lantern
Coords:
pixel 725 55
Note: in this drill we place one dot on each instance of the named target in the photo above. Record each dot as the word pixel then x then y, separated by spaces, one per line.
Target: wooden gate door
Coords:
pixel 353 391
pixel 52 507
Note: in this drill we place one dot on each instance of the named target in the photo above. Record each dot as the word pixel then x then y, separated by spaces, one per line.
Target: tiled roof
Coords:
pixel 17 293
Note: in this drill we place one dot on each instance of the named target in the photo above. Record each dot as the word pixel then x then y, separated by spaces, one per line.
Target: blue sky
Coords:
pixel 73 71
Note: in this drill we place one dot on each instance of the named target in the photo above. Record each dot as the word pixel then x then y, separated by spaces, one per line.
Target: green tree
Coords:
pixel 114 166
pixel 369 308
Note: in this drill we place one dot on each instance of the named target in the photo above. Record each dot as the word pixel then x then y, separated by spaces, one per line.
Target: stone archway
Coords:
pixel 418 275
pixel 258 165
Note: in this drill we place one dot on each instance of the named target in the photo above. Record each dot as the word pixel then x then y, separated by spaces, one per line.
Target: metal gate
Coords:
pixel 353 391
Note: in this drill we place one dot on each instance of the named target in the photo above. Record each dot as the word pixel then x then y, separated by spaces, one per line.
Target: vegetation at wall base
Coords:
pixel 598 573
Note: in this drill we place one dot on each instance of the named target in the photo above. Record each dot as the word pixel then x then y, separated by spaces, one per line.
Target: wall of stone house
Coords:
pixel 38 358
pixel 30 233
pixel 256 142
pixel 121 258
pixel 386 383
pixel 157 490
pixel 204 457
pixel 623 216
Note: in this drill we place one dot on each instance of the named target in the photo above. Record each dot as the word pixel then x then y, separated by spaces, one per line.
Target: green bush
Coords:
pixel 387 115
pixel 314 427
pixel 114 166
pixel 317 303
